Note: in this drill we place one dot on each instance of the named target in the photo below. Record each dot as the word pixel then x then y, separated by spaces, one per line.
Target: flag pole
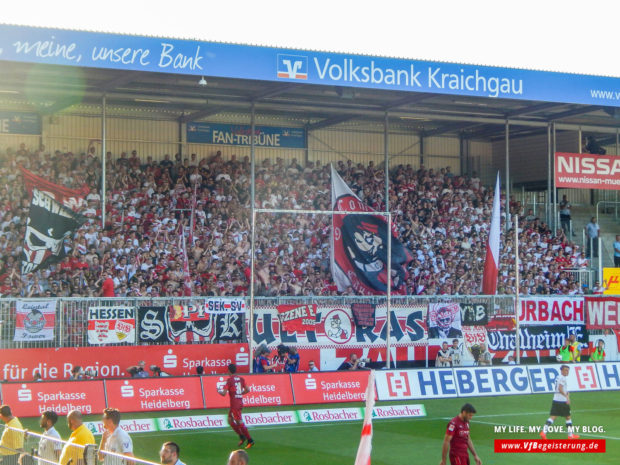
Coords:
pixel 365 447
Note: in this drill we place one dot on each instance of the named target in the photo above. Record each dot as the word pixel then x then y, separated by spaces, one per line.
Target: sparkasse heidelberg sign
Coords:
pixel 587 171
pixel 32 399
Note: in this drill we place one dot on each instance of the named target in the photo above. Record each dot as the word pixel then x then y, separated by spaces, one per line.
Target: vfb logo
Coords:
pixel 292 66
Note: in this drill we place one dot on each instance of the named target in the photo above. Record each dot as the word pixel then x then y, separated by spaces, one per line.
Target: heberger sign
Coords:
pixel 32 399
pixel 587 171
pixel 130 52
pixel 272 389
pixel 416 384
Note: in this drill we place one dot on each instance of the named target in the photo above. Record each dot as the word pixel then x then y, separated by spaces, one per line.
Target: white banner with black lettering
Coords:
pixel 111 325
pixel 223 305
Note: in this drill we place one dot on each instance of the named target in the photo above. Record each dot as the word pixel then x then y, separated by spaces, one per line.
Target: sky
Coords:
pixel 551 35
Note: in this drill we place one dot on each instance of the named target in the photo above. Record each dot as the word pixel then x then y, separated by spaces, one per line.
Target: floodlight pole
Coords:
pixel 517 285
pixel 555 190
pixel 388 291
pixel 253 235
pixel 549 174
pixel 507 176
pixel 103 161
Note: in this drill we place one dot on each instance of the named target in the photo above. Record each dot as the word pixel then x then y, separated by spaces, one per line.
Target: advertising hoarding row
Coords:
pixel 192 393
pixel 183 393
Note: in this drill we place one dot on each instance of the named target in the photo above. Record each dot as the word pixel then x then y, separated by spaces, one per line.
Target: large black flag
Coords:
pixel 49 224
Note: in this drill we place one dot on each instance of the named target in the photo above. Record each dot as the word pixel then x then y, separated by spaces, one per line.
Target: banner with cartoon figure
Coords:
pixel 35 321
pixel 359 249
pixel 444 320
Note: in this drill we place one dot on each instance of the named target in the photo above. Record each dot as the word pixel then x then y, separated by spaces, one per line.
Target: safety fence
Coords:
pixel 30 448
pixel 66 321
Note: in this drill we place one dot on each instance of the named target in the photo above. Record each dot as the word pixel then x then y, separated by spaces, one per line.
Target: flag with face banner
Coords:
pixel 359 249
pixel 48 225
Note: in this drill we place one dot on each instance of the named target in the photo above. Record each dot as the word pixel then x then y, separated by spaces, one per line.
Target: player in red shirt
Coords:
pixel 458 440
pixel 235 387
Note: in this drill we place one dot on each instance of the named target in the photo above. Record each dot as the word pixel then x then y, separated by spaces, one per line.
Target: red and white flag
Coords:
pixel 491 263
pixel 365 447
pixel 187 280
pixel 192 218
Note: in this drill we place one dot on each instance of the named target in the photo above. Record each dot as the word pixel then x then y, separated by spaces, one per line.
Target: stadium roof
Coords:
pixel 49 70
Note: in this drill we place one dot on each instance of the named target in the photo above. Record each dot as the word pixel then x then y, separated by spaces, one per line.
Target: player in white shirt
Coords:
pixel 114 439
pixel 560 407
pixel 48 448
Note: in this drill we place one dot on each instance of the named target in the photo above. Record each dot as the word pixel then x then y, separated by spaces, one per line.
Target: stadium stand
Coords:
pixel 442 218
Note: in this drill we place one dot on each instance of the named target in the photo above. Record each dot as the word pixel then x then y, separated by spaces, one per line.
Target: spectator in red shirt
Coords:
pixel 107 287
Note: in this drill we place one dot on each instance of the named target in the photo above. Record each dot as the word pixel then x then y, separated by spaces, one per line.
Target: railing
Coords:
pixel 72 313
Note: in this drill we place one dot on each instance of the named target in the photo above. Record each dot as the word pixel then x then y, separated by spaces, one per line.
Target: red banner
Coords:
pixel 112 362
pixel 297 318
pixel 330 387
pixel 602 312
pixel 265 390
pixel 150 394
pixel 545 311
pixel 587 171
pixel 70 198
pixel 32 399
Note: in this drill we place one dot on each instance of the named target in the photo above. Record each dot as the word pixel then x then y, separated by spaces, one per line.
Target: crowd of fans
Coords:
pixel 442 218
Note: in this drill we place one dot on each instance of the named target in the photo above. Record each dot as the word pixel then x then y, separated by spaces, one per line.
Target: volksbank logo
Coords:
pixel 292 66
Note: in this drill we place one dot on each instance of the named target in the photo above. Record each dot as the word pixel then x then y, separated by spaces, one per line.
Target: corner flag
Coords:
pixel 363 451
pixel 491 263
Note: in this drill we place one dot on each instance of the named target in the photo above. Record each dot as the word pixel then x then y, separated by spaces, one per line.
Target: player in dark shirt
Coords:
pixel 457 439
pixel 236 388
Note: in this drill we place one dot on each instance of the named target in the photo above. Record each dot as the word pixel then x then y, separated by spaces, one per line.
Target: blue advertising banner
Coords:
pixel 127 52
pixel 239 134
pixel 12 122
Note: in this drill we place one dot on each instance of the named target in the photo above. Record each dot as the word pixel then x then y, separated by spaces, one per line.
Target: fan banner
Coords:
pixel 336 327
pixel 474 314
pixel 364 314
pixel 544 311
pixel 224 305
pixel 297 318
pixel 49 224
pixel 111 325
pixel 35 321
pixel 189 323
pixel 70 198
pixel 152 324
pixel 603 312
pixel 359 246
pixel 444 320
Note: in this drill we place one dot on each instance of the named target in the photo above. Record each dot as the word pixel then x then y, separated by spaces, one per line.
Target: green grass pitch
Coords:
pixel 395 441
